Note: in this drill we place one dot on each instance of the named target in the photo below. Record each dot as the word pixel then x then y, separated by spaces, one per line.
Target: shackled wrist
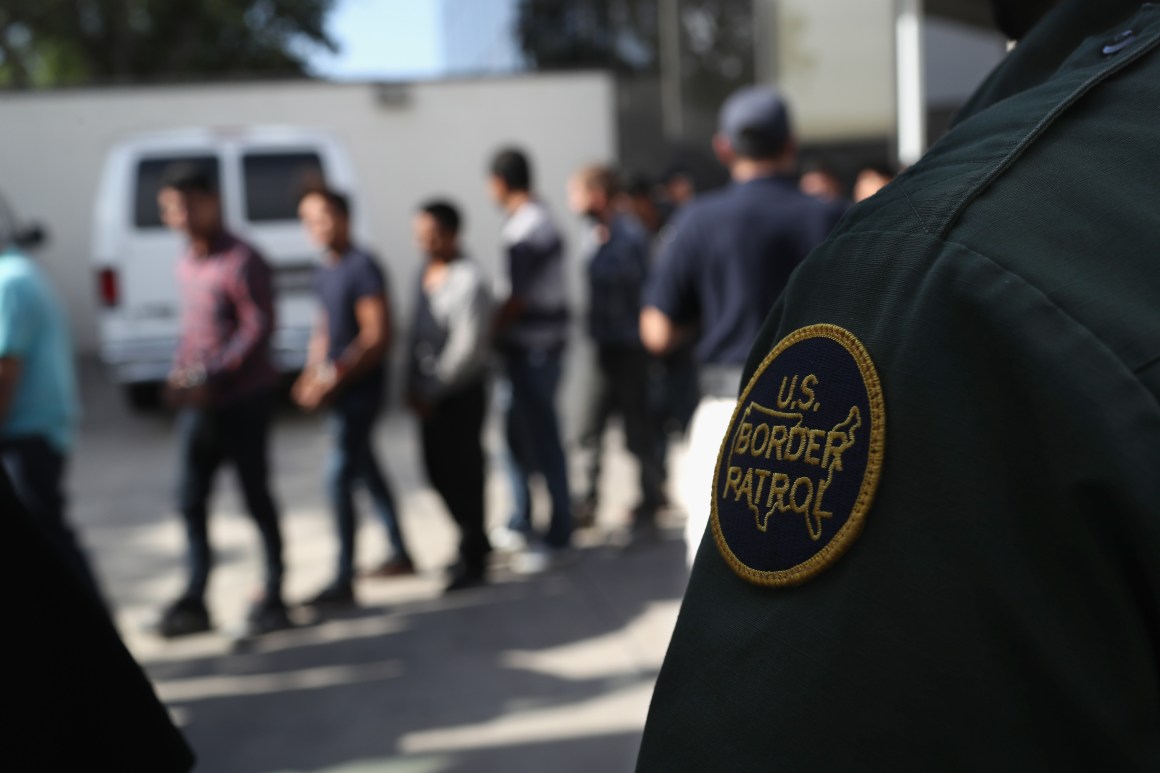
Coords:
pixel 192 377
pixel 326 373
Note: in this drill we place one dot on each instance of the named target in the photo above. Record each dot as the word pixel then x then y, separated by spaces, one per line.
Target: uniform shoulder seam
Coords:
pixel 913 209
pixel 1062 106
pixel 1147 364
pixel 1132 371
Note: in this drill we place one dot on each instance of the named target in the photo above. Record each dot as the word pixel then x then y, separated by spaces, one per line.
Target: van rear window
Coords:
pixel 149 174
pixel 275 181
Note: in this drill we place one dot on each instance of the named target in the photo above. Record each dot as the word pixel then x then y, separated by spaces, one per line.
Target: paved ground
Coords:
pixel 549 673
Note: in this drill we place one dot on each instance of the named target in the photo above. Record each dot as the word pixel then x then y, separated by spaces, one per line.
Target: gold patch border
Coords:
pixel 841 541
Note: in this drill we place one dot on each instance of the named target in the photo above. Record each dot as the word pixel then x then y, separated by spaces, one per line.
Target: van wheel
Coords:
pixel 144 396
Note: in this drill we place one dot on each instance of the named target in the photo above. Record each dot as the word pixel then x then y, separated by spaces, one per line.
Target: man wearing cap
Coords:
pixel 936 511
pixel 727 262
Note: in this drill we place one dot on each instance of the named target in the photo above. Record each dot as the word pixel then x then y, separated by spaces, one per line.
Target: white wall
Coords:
pixel 958 58
pixel 834 59
pixel 438 141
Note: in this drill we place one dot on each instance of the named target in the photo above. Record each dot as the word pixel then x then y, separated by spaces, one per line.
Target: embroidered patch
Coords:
pixel 798 468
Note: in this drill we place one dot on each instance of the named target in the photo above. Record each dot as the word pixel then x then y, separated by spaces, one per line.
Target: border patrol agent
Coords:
pixel 936 512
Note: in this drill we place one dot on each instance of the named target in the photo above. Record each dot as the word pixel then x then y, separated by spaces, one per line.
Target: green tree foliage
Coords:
pixel 624 36
pixel 621 35
pixel 68 42
pixel 716 54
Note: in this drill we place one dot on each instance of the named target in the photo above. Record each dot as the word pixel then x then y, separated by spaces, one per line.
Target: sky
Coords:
pixel 383 39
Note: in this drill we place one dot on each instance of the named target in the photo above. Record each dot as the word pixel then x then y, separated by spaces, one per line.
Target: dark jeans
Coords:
pixel 675 395
pixel 36 470
pixel 206 438
pixel 453 455
pixel 620 387
pixel 352 459
pixel 676 389
pixel 533 436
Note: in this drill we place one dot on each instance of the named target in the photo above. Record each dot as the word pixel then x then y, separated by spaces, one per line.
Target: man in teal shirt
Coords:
pixel 38 400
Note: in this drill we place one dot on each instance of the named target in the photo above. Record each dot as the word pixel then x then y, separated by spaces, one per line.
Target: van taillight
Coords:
pixel 108 287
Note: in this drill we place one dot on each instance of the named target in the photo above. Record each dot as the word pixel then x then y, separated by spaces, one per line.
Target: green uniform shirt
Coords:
pixel 992 600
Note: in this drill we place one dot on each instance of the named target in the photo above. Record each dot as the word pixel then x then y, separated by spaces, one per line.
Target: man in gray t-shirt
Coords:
pixel 532 331
pixel 447 368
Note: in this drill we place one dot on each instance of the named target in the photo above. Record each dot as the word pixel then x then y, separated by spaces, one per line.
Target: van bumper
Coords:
pixel 150 361
pixel 139 362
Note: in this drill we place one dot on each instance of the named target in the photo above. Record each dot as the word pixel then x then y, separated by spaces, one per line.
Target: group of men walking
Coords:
pixel 222 383
pixel 700 285
pixel 222 380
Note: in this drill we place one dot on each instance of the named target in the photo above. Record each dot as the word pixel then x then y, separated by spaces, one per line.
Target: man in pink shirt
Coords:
pixel 221 382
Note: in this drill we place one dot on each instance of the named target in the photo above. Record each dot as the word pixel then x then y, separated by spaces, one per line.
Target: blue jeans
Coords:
pixel 533 440
pixel 352 458
pixel 207 437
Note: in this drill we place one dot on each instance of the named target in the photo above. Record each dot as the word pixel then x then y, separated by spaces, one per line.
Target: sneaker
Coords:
pixel 638 533
pixel 539 559
pixel 183 618
pixel 395 567
pixel 507 540
pixel 336 596
pixel 267 616
pixel 464 580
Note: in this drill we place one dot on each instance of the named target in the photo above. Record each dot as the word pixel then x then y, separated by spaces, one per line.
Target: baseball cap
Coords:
pixel 755 119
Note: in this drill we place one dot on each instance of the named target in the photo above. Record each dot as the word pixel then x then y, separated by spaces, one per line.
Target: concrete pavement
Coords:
pixel 529 674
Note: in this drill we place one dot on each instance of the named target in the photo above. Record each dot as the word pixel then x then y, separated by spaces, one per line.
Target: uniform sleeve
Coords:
pixel 672 286
pixel 17 320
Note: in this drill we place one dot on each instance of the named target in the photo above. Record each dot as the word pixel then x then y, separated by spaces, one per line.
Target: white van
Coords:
pixel 260 172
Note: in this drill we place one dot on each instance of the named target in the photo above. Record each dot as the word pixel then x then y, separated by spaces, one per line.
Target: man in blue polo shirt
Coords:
pixel 729 258
pixel 38 401
pixel 346 372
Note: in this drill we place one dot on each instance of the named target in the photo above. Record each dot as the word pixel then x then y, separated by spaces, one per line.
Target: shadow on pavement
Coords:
pixel 437 681
pixel 529 674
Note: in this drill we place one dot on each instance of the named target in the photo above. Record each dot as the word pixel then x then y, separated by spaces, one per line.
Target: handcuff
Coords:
pixel 327 373
pixel 192 377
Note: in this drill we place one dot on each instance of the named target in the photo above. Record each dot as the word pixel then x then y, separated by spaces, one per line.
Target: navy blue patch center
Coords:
pixel 801 460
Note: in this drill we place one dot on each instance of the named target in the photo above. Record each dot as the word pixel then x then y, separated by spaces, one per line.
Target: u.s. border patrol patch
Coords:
pixel 800 463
